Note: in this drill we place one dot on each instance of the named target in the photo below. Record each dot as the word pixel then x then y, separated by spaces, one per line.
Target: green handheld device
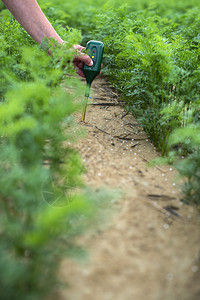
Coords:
pixel 95 49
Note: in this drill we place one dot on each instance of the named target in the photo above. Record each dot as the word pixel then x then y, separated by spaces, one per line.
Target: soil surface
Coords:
pixel 150 249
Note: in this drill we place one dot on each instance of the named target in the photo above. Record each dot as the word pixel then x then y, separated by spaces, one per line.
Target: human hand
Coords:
pixel 80 59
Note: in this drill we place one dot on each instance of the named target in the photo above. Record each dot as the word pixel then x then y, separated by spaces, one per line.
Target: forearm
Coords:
pixel 30 16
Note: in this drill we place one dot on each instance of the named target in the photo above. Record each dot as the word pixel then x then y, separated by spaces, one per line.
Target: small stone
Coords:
pixel 195 269
pixel 169 276
pixel 166 226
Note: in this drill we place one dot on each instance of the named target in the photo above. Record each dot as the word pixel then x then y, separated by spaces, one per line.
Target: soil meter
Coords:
pixel 95 49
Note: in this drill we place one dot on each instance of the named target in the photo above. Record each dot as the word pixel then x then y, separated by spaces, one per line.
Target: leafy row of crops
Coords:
pixel 154 61
pixel 152 57
pixel 39 171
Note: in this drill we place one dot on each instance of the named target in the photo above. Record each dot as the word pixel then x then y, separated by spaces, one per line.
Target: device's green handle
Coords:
pixel 95 51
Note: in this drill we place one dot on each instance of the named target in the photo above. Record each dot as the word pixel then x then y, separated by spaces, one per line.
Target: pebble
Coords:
pixel 195 269
pixel 166 226
pixel 169 276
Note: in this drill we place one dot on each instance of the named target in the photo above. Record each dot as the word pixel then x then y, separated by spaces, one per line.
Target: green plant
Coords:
pixel 151 57
pixel 184 153
pixel 41 208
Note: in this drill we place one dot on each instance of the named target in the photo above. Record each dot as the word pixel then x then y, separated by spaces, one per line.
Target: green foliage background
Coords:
pixel 41 208
pixel 151 56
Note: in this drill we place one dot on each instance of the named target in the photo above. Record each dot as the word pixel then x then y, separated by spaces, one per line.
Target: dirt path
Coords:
pixel 151 249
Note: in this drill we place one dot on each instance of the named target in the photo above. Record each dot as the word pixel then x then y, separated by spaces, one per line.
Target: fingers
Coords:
pixel 79 48
pixel 80 56
pixel 84 59
pixel 80 59
pixel 80 73
pixel 79 68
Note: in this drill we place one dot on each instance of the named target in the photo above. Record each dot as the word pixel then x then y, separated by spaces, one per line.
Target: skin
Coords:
pixel 29 14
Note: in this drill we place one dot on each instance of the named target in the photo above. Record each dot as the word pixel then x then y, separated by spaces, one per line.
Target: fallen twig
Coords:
pixel 137 144
pixel 102 130
pixel 161 197
pixel 132 124
pixel 167 214
pixel 172 209
pixel 106 104
pixel 128 139
pixel 160 169
pixel 124 115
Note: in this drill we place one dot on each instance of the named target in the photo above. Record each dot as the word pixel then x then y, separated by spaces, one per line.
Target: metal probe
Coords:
pixel 87 94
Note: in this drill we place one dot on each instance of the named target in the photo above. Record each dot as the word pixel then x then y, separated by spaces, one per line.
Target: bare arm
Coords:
pixel 29 14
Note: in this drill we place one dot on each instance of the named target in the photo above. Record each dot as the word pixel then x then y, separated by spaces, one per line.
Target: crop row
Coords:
pixel 152 57
pixel 40 173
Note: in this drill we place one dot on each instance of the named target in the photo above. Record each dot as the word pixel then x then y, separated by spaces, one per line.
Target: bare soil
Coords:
pixel 150 248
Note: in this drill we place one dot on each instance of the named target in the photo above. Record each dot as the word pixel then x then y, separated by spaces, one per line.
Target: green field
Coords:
pixel 152 58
